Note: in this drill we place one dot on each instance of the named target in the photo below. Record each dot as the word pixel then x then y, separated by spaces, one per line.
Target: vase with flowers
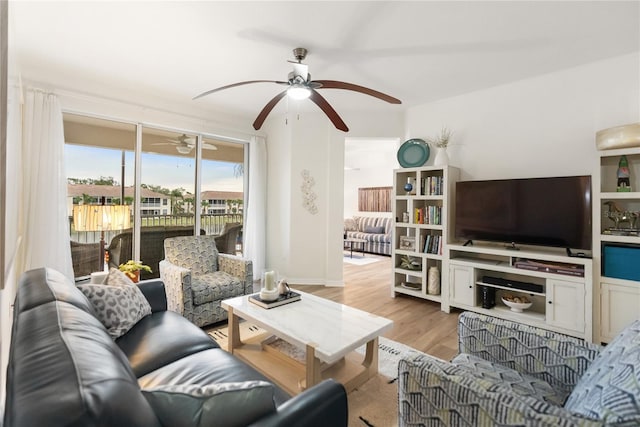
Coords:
pixel 132 269
pixel 441 142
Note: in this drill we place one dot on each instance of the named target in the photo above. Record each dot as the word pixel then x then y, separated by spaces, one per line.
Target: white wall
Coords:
pixel 369 162
pixel 543 126
pixel 307 248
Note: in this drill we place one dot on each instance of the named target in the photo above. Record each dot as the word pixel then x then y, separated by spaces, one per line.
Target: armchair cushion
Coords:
pixel 190 405
pixel 610 388
pixel 215 286
pixel 195 253
pixel 521 384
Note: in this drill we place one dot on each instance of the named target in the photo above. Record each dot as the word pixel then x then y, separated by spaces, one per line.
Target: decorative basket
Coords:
pixel 626 136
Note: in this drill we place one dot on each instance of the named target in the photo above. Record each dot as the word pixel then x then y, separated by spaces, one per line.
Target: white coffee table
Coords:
pixel 326 332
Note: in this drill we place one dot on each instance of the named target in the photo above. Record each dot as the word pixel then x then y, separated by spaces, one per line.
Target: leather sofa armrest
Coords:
pixel 324 404
pixel 153 291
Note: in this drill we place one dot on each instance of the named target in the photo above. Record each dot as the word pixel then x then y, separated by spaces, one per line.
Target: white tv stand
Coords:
pixel 563 301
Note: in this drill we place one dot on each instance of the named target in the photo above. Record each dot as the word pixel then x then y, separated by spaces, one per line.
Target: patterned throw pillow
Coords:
pixel 119 303
pixel 609 389
pixel 118 278
pixel 350 225
pixel 191 405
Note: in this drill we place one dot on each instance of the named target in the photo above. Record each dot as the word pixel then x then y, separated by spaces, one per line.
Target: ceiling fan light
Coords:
pixel 182 149
pixel 298 92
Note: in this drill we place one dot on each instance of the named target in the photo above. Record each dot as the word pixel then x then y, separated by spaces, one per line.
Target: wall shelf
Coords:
pixel 617 301
pixel 423 219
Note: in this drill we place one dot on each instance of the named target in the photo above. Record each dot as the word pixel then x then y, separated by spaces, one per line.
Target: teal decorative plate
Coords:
pixel 413 153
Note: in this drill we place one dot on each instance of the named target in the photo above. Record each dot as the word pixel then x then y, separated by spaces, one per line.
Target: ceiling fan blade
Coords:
pixel 163 143
pixel 328 110
pixel 206 146
pixel 334 84
pixel 257 124
pixel 238 84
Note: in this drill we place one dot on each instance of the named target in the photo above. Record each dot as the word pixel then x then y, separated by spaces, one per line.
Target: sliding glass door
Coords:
pixel 179 181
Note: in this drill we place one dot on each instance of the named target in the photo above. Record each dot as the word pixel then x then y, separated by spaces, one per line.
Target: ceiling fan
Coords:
pixel 300 86
pixel 184 144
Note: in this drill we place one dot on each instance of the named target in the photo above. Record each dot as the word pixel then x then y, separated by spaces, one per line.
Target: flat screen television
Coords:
pixel 532 211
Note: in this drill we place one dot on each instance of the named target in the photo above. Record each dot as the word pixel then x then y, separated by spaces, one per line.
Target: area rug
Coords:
pixel 375 403
pixel 359 260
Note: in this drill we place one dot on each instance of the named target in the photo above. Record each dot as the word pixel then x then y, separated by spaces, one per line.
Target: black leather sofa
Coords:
pixel 65 370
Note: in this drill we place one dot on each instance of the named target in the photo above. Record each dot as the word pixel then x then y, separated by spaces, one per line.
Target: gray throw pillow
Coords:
pixel 374 230
pixel 224 404
pixel 119 304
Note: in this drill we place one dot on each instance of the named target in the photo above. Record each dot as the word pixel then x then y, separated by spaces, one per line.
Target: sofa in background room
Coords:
pixel 375 230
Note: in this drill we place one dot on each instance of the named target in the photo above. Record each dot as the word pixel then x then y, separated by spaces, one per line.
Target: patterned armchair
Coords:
pixel 197 278
pixel 512 374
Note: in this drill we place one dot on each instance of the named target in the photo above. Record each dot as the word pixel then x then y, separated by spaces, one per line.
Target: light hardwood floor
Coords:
pixel 417 323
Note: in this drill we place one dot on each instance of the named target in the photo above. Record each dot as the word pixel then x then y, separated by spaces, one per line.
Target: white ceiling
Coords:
pixel 168 52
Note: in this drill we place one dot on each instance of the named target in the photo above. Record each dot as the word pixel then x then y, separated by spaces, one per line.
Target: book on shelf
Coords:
pixel 432 186
pixel 282 300
pixel 432 244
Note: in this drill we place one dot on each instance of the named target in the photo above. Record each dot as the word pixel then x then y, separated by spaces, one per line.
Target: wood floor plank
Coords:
pixel 417 323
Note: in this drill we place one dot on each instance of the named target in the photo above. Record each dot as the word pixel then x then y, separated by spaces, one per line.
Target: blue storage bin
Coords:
pixel 621 261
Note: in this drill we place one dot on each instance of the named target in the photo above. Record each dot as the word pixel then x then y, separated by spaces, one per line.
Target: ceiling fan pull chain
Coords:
pixel 286 114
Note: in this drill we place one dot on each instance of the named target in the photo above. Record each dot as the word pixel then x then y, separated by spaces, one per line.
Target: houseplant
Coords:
pixel 132 269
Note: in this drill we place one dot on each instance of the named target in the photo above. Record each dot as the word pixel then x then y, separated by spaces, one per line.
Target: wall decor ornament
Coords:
pixel 308 196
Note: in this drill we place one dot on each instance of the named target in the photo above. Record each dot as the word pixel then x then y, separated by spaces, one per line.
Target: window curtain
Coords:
pixel 255 227
pixel 43 209
pixel 12 235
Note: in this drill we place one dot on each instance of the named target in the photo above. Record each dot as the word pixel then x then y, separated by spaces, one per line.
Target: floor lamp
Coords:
pixel 101 218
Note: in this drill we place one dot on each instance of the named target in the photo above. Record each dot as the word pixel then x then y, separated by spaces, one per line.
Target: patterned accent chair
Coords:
pixel 197 278
pixel 512 374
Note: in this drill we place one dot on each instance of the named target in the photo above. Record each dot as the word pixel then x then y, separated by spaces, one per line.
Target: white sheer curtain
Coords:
pixel 255 228
pixel 12 235
pixel 43 208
